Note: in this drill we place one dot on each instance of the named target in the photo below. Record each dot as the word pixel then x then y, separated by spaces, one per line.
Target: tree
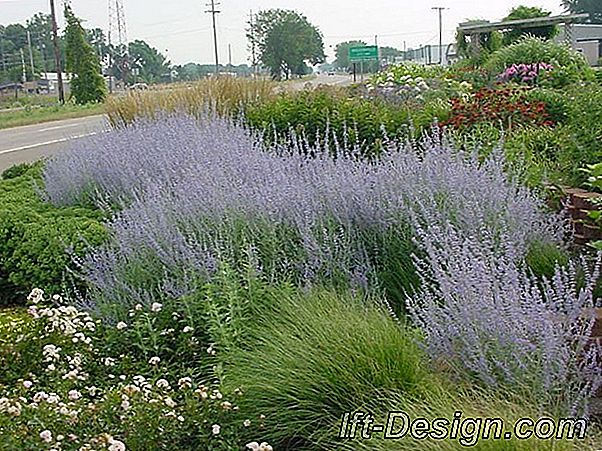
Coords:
pixel 286 42
pixel 527 12
pixel 149 62
pixel 591 7
pixel 478 50
pixel 88 85
pixel 40 29
pixel 342 53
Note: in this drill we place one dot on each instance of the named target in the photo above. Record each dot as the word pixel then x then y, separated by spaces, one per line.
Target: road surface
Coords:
pixel 32 142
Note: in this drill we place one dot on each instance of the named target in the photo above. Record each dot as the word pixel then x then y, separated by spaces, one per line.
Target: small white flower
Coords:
pixel 185 382
pixel 27 384
pixel 60 438
pixel 121 325
pixel 116 445
pixel 215 429
pixel 125 404
pixel 253 446
pixel 154 360
pixel 162 383
pixel 246 423
pixel 170 402
pixel 226 405
pixel 74 395
pixel 138 307
pixel 46 436
pixel 156 307
pixel 187 329
pixel 40 396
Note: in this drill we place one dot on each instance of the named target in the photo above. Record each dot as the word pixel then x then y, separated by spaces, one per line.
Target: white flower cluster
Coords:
pixel 254 446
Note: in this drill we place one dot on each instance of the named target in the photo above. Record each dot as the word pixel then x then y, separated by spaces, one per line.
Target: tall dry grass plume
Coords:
pixel 224 95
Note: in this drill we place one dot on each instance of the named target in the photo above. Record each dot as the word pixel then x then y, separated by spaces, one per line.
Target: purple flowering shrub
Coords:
pixel 196 194
pixel 525 73
pixel 484 314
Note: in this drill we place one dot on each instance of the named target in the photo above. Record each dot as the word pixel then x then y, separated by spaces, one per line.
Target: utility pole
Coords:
pixel 378 53
pixel 2 56
pixel 253 53
pixel 24 74
pixel 213 13
pixel 57 53
pixel 33 70
pixel 440 9
pixel 230 55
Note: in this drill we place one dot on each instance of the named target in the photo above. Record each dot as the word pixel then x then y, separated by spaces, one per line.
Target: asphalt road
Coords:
pixel 32 142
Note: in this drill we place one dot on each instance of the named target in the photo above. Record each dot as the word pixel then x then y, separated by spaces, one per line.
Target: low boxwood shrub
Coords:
pixel 36 238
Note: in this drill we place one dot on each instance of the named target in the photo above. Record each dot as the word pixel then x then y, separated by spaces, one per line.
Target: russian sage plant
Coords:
pixel 482 313
pixel 194 194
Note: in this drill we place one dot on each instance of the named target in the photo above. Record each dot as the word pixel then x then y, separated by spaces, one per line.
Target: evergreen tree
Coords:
pixel 88 84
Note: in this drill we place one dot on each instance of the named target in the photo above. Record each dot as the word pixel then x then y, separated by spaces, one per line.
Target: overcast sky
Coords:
pixel 181 29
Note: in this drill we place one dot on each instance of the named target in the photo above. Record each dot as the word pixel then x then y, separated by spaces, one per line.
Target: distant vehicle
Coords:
pixel 331 72
pixel 139 87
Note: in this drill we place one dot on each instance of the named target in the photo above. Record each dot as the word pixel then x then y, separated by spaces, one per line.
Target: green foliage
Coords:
pixel 35 236
pixel 88 86
pixel 544 258
pixel 591 7
pixel 315 357
pixel 477 52
pixel 286 41
pixel 594 177
pixel 527 12
pixel 151 64
pixel 585 121
pixel 556 102
pixel 569 66
pixel 342 53
pixel 313 113
pixel 68 363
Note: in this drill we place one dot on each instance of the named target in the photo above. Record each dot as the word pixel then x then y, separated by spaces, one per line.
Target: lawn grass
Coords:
pixel 37 115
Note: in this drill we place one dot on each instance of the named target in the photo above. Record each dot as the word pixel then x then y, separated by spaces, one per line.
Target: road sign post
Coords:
pixel 361 54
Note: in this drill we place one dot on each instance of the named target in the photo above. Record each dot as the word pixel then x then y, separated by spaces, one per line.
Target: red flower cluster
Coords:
pixel 506 107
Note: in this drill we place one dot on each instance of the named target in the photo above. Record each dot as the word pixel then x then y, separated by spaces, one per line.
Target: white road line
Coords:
pixel 77 124
pixel 47 143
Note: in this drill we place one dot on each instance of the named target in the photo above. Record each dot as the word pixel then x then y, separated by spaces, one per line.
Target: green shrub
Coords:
pixel 313 358
pixel 569 66
pixel 556 102
pixel 585 122
pixel 313 113
pixel 35 237
pixel 541 155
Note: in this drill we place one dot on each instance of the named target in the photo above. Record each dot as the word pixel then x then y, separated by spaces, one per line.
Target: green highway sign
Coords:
pixel 366 52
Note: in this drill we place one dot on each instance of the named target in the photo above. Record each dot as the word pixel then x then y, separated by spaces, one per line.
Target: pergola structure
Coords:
pixel 474 31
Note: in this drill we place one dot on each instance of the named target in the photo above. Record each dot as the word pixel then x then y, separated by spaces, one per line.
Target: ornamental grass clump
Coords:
pixel 194 195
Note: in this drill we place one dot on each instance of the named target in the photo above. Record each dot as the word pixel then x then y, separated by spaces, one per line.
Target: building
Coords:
pixel 53 82
pixel 430 54
pixel 587 39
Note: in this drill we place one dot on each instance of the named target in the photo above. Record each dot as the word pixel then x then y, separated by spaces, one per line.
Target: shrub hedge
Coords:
pixel 36 237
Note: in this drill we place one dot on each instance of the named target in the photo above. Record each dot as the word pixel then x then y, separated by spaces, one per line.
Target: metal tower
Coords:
pixel 118 40
pixel 117 27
